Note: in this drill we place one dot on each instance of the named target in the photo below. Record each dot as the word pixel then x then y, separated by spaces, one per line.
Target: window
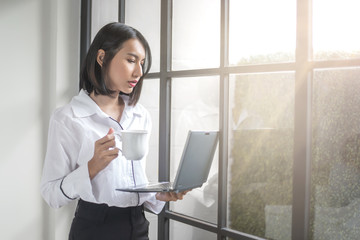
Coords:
pixel 150 100
pixel 260 163
pixel 261 31
pixel 334 24
pixel 195 106
pixel 280 80
pixel 144 15
pixel 103 12
pixel 335 183
pixel 195 34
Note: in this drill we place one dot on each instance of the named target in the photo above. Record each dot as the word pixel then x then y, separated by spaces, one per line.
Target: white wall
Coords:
pixel 39 45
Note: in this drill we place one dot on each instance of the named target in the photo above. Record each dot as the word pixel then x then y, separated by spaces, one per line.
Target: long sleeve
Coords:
pixel 152 203
pixel 63 180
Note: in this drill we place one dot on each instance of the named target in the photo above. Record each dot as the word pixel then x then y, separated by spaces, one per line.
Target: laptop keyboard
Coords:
pixel 160 185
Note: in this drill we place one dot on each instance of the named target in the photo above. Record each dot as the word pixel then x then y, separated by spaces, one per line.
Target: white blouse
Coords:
pixel 73 130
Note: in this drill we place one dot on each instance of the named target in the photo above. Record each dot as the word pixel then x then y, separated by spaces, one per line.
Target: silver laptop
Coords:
pixel 194 166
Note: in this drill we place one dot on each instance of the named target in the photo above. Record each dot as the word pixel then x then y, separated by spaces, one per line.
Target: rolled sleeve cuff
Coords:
pixel 152 203
pixel 77 184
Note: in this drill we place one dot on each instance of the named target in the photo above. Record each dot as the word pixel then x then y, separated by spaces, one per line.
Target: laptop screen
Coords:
pixel 196 159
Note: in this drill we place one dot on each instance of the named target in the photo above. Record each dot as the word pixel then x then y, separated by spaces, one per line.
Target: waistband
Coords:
pixel 98 212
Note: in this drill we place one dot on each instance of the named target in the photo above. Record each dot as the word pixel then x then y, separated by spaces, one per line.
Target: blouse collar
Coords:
pixel 84 106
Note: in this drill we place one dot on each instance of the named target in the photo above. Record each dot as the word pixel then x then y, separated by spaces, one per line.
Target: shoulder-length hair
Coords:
pixel 111 38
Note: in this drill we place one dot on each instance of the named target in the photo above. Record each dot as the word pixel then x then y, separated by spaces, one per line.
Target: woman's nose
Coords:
pixel 138 72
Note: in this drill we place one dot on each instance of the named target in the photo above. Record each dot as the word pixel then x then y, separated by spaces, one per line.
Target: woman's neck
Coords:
pixel 111 105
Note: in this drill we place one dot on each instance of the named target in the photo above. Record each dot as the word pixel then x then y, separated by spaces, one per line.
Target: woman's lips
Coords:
pixel 133 83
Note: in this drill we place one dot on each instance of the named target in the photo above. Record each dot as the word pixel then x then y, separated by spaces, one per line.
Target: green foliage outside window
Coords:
pixel 262 155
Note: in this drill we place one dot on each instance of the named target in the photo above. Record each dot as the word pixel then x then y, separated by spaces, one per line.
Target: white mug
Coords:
pixel 134 143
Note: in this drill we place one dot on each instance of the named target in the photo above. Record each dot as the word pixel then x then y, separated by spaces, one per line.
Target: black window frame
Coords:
pixel 303 67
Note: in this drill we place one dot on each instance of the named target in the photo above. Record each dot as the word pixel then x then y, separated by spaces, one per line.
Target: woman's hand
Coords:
pixel 104 152
pixel 170 196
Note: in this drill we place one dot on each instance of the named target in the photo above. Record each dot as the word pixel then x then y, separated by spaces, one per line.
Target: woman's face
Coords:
pixel 125 68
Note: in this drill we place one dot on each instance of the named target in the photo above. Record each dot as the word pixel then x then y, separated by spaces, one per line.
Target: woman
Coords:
pixel 83 161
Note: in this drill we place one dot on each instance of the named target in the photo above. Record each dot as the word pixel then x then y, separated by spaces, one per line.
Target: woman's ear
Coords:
pixel 100 57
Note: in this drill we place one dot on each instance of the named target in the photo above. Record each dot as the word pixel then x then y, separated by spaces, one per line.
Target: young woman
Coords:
pixel 83 161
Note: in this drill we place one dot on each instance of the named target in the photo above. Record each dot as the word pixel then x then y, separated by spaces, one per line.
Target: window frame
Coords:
pixel 303 67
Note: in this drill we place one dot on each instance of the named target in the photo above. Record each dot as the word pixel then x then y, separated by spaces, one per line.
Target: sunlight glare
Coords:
pixel 334 25
pixel 261 27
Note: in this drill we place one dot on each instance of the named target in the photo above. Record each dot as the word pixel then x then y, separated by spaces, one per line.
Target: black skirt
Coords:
pixel 101 222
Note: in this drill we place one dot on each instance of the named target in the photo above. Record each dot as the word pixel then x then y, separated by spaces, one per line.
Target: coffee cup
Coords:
pixel 134 143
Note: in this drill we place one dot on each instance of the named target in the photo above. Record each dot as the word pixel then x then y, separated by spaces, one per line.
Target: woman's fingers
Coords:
pixel 107 145
pixel 105 140
pixel 105 151
pixel 171 196
pixel 111 131
pixel 109 155
pixel 185 192
pixel 113 152
pixel 180 195
pixel 108 137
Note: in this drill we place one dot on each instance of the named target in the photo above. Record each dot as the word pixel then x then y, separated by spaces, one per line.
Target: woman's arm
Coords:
pixel 62 179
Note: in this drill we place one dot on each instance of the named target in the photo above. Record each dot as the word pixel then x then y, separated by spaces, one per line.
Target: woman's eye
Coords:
pixel 131 61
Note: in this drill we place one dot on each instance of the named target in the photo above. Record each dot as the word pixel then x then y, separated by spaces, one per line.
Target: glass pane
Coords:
pixel 180 231
pixel 262 31
pixel 150 100
pixel 195 106
pixel 102 13
pixel 196 34
pixel 153 227
pixel 334 29
pixel 261 130
pixel 144 15
pixel 335 183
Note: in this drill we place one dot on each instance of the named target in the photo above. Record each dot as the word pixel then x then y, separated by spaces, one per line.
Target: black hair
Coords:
pixel 111 38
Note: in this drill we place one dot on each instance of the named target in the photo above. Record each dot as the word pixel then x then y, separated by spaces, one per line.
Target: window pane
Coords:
pixel 150 100
pixel 262 31
pixel 334 29
pixel 261 154
pixel 335 197
pixel 196 34
pixel 144 15
pixel 102 13
pixel 153 227
pixel 195 106
pixel 180 231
